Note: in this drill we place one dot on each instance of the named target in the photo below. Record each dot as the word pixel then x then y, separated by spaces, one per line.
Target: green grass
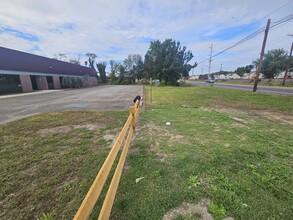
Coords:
pixel 231 147
pixel 45 173
pixel 241 161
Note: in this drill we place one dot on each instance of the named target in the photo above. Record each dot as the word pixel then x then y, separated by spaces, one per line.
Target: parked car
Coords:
pixel 210 80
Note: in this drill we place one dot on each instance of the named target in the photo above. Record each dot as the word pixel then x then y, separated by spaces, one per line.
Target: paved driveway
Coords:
pixel 14 107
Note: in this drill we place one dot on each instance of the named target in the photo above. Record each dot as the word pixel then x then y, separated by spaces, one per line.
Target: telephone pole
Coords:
pixel 221 67
pixel 289 61
pixel 261 55
pixel 210 60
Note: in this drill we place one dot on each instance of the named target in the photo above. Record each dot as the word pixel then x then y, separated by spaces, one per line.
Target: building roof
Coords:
pixel 13 60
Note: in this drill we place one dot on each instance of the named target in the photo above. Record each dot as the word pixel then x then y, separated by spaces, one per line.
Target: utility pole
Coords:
pixel 201 71
pixel 210 60
pixel 221 67
pixel 261 55
pixel 288 63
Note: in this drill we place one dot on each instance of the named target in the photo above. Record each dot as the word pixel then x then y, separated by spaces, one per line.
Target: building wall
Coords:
pixel 93 81
pixel 26 83
pixel 42 82
pixel 56 82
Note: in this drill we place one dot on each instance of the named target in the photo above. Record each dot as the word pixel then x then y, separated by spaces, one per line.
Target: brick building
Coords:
pixel 24 72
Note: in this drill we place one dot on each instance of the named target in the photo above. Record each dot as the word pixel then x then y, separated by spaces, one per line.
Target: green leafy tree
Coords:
pixel 168 61
pixel 245 69
pixel 102 70
pixel 273 63
pixel 114 72
pixel 134 66
pixel 248 68
pixel 121 77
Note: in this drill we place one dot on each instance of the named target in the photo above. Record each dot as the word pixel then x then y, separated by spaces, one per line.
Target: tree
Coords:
pixel 114 70
pixel 248 68
pixel 121 73
pixel 91 58
pixel 273 63
pixel 74 61
pixel 102 70
pixel 241 70
pixel 59 56
pixel 134 66
pixel 168 61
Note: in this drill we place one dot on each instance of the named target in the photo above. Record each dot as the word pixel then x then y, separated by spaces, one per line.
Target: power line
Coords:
pixel 270 13
pixel 259 31
pixel 236 44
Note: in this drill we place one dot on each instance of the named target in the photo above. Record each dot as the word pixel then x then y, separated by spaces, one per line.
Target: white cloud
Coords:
pixel 76 27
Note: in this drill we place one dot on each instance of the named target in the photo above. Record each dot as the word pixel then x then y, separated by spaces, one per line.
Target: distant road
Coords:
pixel 262 89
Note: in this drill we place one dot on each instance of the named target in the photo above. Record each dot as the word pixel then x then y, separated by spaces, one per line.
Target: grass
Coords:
pixel 46 172
pixel 231 147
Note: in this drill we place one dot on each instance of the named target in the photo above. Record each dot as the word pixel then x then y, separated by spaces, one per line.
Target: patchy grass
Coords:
pixel 219 146
pixel 49 161
pixel 231 148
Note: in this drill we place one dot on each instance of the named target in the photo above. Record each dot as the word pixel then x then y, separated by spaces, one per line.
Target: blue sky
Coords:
pixel 115 29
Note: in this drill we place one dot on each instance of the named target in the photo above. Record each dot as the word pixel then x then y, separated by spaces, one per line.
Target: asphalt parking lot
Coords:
pixel 13 107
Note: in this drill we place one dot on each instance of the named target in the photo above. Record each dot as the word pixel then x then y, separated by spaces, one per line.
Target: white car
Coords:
pixel 210 80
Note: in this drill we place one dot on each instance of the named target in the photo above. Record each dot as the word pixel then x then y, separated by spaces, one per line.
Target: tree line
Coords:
pixel 274 62
pixel 166 60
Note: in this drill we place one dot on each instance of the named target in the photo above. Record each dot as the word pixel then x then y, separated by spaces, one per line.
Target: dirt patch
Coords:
pixel 240 120
pixel 67 128
pixel 62 148
pixel 159 136
pixel 274 116
pixel 60 129
pixel 111 136
pixel 206 109
pixel 164 133
pixel 126 166
pixel 284 119
pixel 187 209
pixel 90 127
pixel 133 150
pixel 230 111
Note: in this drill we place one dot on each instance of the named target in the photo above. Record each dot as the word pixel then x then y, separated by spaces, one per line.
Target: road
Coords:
pixel 262 89
pixel 13 107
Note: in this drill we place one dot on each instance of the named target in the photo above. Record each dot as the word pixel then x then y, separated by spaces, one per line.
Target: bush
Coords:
pixel 125 82
pixel 72 82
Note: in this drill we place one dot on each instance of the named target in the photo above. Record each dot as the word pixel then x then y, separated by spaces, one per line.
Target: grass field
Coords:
pixel 228 152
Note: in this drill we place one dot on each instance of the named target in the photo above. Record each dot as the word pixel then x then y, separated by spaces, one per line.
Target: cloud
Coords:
pixel 114 29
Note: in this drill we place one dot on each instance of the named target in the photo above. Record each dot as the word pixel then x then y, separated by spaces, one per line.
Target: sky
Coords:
pixel 114 29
